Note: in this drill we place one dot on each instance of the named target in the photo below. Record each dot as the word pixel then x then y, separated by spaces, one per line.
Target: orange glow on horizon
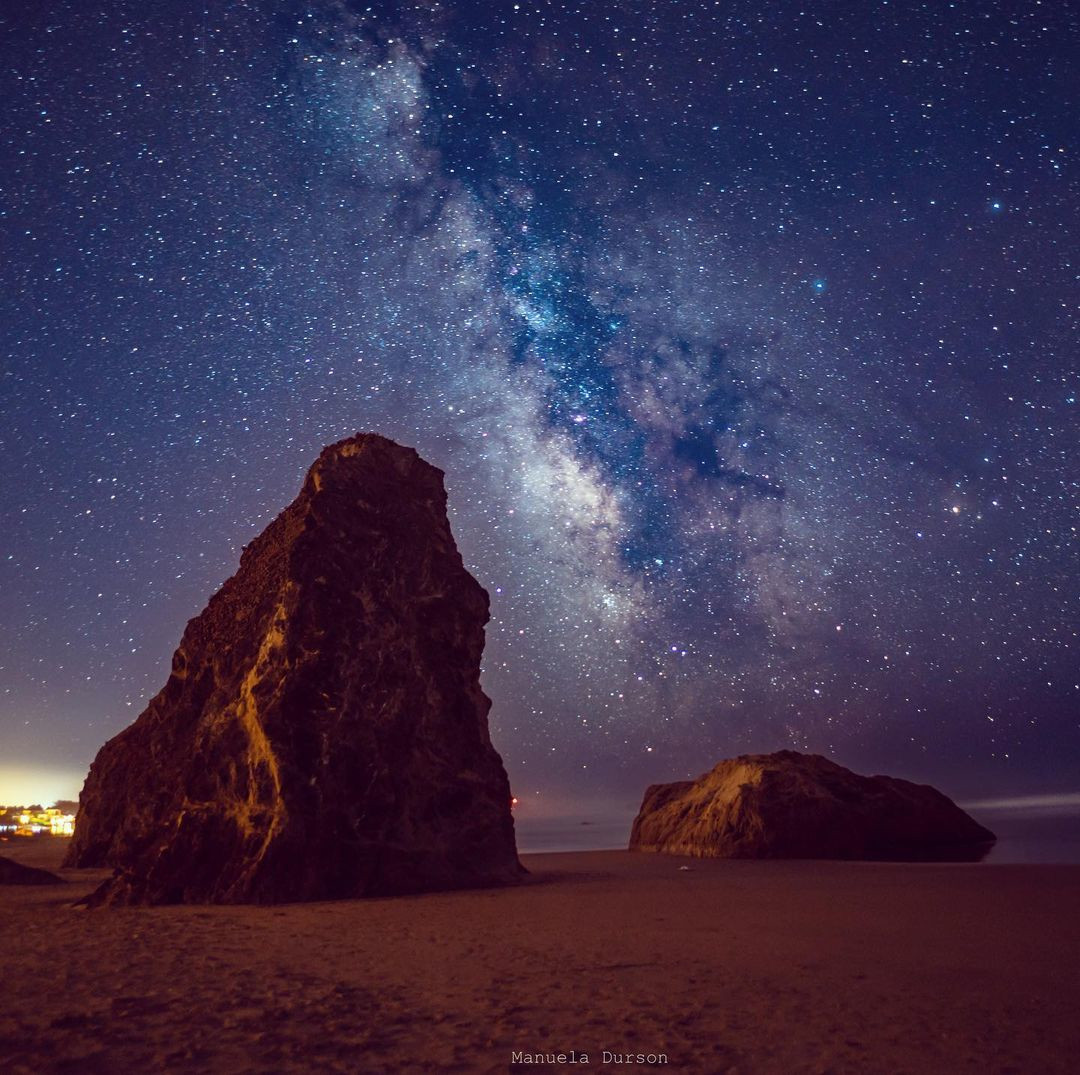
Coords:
pixel 38 785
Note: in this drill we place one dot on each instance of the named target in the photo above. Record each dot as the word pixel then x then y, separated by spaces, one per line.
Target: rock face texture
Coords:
pixel 791 805
pixel 15 873
pixel 323 733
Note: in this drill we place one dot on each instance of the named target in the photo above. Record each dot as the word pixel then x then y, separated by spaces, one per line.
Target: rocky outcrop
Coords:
pixel 15 873
pixel 323 732
pixel 791 805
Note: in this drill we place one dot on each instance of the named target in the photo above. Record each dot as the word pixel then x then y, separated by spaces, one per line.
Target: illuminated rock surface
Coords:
pixel 323 732
pixel 791 805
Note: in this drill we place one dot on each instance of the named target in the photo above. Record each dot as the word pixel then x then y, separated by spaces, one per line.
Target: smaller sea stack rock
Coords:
pixel 15 873
pixel 792 805
pixel 323 733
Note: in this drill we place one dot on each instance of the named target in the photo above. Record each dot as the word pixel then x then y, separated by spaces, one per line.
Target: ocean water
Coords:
pixel 1026 833
pixel 596 833
pixel 1032 834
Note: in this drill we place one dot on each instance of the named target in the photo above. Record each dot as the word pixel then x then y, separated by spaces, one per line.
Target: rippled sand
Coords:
pixel 726 967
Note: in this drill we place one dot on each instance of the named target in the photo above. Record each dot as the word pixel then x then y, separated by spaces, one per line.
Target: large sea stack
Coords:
pixel 323 733
pixel 792 805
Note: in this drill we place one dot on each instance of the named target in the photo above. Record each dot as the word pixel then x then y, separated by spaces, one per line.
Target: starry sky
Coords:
pixel 745 333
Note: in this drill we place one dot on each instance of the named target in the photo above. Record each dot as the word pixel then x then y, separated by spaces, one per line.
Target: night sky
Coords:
pixel 745 333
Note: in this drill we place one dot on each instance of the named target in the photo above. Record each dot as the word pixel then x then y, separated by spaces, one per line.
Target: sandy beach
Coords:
pixel 770 967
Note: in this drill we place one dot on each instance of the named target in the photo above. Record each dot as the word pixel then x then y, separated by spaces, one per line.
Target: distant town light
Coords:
pixel 52 822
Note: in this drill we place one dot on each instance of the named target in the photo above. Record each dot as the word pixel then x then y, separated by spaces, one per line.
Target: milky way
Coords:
pixel 745 334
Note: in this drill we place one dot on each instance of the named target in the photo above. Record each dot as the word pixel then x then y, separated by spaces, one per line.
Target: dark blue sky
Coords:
pixel 746 334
